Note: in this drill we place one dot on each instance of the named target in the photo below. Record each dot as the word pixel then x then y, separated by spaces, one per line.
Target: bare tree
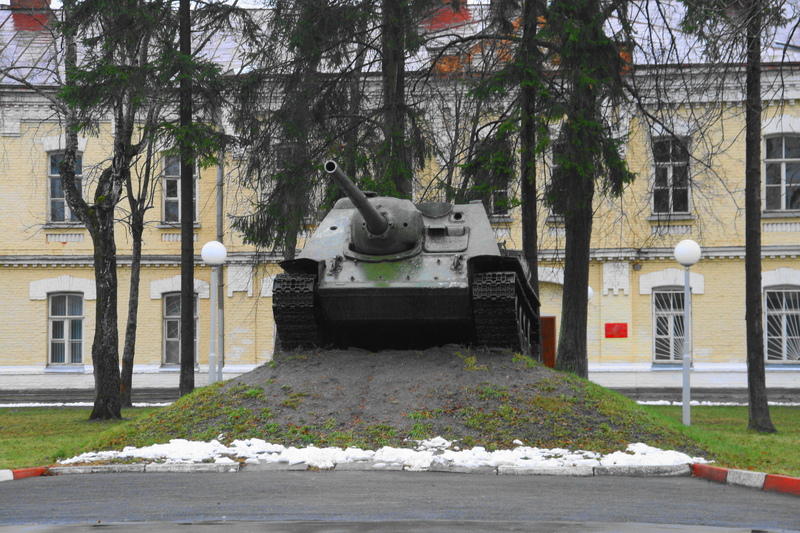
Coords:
pixel 759 418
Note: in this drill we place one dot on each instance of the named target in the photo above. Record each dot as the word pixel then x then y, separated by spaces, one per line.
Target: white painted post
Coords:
pixel 687 253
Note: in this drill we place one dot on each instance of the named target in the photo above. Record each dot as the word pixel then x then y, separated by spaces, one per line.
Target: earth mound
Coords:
pixel 354 397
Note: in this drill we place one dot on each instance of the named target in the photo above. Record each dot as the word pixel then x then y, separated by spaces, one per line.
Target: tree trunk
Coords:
pixel 574 305
pixel 528 59
pixel 759 418
pixel 583 133
pixel 187 206
pixel 393 45
pixel 99 221
pixel 129 349
pixel 105 347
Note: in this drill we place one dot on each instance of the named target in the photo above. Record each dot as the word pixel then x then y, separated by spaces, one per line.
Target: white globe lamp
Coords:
pixel 214 253
pixel 687 252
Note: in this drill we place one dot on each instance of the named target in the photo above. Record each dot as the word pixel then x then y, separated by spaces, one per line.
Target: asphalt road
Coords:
pixel 385 497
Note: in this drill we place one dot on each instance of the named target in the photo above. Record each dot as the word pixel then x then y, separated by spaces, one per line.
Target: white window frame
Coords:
pixel 556 149
pixel 675 342
pixel 500 203
pixel 69 217
pixel 165 318
pixel 670 167
pixel 176 178
pixel 783 315
pixel 782 162
pixel 67 339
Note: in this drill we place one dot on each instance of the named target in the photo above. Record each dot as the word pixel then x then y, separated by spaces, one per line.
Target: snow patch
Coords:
pixel 423 456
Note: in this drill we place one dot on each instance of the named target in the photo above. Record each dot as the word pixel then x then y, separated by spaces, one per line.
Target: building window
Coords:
pixel 490 170
pixel 782 166
pixel 671 184
pixel 553 199
pixel 500 205
pixel 782 310
pixel 172 328
pixel 668 333
pixel 66 329
pixel 172 190
pixel 58 209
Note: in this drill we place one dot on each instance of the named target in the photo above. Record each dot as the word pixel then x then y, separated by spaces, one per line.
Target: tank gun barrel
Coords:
pixel 376 222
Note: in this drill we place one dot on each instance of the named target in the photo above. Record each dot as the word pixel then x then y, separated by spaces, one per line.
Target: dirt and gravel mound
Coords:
pixel 361 398
pixel 391 386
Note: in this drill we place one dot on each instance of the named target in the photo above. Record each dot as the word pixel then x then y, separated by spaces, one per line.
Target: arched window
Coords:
pixel 782 168
pixel 782 324
pixel 668 327
pixel 65 329
pixel 172 328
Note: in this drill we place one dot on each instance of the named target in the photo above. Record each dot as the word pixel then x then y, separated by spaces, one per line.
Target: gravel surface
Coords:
pixel 384 387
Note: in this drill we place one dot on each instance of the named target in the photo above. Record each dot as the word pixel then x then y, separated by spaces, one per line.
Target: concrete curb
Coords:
pixel 742 478
pixel 22 473
pixel 745 478
pixel 96 469
pixel 503 470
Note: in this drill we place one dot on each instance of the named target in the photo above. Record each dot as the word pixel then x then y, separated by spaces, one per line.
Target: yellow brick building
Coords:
pixel 635 324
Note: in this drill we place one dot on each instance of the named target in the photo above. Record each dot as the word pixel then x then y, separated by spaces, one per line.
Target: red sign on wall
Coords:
pixel 616 330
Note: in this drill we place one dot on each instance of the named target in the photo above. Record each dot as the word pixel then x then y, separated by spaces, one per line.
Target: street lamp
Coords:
pixel 687 253
pixel 214 254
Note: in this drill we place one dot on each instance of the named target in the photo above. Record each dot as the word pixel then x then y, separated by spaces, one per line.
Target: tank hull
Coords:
pixel 405 305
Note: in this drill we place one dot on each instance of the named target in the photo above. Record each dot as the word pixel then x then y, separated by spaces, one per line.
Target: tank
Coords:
pixel 382 272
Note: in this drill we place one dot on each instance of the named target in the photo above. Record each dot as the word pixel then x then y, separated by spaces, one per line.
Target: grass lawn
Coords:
pixel 38 436
pixel 723 430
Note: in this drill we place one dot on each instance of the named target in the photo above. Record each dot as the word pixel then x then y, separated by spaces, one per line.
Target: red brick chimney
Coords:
pixel 30 4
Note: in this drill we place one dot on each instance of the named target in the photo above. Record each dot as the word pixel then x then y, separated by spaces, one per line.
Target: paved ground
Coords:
pixel 429 526
pixel 390 496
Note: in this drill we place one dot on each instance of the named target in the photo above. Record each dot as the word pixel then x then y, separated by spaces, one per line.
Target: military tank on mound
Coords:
pixel 382 272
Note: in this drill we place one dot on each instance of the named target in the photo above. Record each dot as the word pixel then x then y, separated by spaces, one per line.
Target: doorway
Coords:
pixel 548 325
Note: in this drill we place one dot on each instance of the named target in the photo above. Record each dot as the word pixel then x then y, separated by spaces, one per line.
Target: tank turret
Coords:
pixel 380 226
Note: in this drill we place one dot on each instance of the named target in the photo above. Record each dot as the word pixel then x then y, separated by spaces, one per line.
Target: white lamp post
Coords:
pixel 214 254
pixel 687 253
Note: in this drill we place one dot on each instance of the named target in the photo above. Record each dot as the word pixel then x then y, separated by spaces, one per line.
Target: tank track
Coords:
pixel 501 311
pixel 293 297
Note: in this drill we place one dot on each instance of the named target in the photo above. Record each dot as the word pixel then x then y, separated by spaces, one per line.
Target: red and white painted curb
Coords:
pixel 745 478
pixel 21 473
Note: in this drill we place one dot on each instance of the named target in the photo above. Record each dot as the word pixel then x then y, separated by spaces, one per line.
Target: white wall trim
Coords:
pixel 239 279
pixel 679 127
pixel 781 124
pixel 56 143
pixel 616 278
pixel 173 284
pixel 38 290
pixel 650 367
pixel 551 275
pixel 780 276
pixel 670 277
pixel 267 284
